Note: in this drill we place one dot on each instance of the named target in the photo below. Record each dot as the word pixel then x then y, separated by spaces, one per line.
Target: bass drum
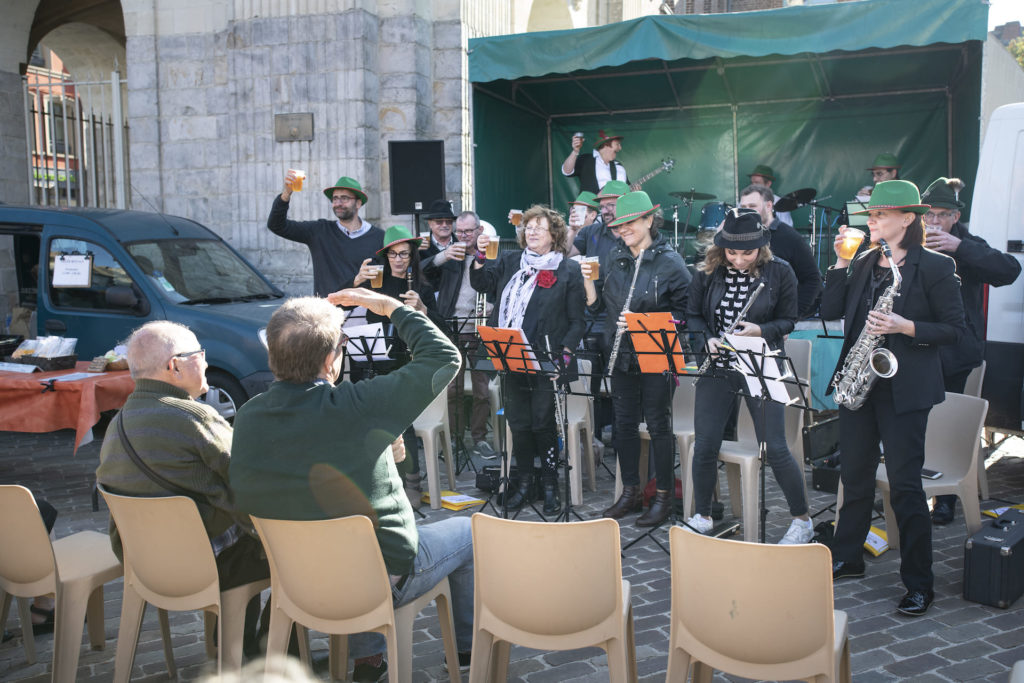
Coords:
pixel 713 214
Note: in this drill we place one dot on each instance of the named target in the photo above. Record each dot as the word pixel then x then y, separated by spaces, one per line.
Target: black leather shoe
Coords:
pixel 846 570
pixel 552 502
pixel 631 501
pixel 659 511
pixel 520 496
pixel 944 510
pixel 915 603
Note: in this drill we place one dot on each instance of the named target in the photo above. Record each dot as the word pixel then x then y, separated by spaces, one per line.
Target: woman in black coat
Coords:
pixel 927 313
pixel 660 285
pixel 402 279
pixel 731 271
pixel 539 291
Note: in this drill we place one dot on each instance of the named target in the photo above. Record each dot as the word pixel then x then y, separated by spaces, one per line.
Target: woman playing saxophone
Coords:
pixel 926 312
pixel 643 274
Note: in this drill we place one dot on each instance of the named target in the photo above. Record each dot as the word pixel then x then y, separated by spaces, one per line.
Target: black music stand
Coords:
pixel 463 458
pixel 754 366
pixel 565 371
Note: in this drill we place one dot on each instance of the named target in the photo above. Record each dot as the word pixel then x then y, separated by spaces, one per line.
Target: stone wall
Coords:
pixel 13 150
pixel 202 100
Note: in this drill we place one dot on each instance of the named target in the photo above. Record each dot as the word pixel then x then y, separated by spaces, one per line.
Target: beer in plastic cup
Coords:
pixel 492 248
pixel 299 177
pixel 517 217
pixel 459 258
pixel 377 277
pixel 852 237
pixel 595 267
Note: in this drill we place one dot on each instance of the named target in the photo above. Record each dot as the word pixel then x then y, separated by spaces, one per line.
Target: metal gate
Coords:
pixel 77 141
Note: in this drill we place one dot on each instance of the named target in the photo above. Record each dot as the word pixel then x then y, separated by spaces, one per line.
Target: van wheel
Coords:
pixel 225 396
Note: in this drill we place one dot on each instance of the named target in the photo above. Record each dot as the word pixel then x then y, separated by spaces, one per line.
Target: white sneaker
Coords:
pixel 484 450
pixel 800 531
pixel 700 523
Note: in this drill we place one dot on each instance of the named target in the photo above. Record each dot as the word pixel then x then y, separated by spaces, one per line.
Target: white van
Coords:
pixel 997 215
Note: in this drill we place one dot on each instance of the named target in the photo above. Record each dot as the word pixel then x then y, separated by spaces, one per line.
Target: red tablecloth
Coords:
pixel 25 407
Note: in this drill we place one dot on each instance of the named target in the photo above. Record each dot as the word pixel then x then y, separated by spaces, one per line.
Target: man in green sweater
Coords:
pixel 308 449
pixel 185 442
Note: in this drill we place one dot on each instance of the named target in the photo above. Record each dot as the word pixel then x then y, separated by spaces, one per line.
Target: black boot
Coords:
pixel 631 500
pixel 521 496
pixel 552 503
pixel 660 508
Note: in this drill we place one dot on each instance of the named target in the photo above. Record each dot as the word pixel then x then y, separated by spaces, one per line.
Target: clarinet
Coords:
pixel 729 330
pixel 408 277
pixel 625 309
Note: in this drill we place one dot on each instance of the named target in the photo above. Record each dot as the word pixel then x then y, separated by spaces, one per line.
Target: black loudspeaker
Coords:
pixel 416 173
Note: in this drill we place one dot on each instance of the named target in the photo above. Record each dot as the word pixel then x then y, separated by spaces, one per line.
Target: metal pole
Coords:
pixel 105 145
pixel 735 157
pixel 30 143
pixel 118 134
pixel 93 160
pixel 67 157
pixel 79 152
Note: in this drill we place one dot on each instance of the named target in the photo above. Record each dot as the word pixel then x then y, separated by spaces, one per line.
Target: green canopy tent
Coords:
pixel 815 92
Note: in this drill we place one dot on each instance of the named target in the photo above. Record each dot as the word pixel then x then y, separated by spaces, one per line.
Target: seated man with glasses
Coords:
pixel 338 248
pixel 977 264
pixel 184 442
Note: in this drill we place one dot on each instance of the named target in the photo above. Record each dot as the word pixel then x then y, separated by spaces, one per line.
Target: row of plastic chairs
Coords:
pixel 329 575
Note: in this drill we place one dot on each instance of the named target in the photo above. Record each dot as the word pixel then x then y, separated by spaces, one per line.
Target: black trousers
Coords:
pixel 903 437
pixel 530 411
pixel 635 397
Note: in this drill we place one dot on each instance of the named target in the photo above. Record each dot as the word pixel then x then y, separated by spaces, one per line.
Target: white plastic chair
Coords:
pixel 972 387
pixel 329 575
pixel 742 456
pixel 682 429
pixel 774 623
pixel 586 603
pixel 431 425
pixel 951 446
pixel 580 435
pixel 169 563
pixel 73 569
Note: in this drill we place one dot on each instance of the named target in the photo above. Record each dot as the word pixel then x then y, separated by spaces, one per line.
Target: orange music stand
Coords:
pixel 655 338
pixel 508 349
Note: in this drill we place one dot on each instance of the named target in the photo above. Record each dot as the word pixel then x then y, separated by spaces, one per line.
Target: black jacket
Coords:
pixel 929 296
pixel 660 286
pixel 774 310
pixel 977 264
pixel 554 314
pixel 445 280
pixel 585 170
pixel 787 244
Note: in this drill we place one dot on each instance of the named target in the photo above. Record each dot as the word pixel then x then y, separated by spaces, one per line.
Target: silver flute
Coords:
pixel 625 309
pixel 729 330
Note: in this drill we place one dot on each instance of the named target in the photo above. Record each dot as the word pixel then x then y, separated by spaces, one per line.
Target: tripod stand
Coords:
pixel 465 340
pixel 560 381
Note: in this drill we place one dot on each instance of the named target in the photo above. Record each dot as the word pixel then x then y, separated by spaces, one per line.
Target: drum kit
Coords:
pixel 712 214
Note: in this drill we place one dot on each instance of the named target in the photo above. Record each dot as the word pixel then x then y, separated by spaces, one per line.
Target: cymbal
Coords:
pixel 796 199
pixel 691 195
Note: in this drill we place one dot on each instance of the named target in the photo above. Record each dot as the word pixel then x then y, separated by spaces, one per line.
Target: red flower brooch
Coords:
pixel 546 278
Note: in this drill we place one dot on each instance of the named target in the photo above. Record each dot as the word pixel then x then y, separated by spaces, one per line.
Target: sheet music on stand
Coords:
pixel 367 343
pixel 756 362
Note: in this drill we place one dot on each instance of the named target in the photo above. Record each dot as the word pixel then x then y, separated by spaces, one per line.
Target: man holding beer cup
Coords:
pixel 338 248
pixel 597 168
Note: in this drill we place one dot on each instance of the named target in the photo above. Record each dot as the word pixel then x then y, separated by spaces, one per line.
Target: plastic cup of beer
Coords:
pixel 299 176
pixel 852 237
pixel 492 248
pixel 459 258
pixel 377 277
pixel 595 266
pixel 517 217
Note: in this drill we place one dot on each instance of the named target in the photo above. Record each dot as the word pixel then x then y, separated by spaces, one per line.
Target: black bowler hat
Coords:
pixel 742 231
pixel 439 208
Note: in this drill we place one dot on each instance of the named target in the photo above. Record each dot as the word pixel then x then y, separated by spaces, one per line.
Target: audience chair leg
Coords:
pixel 337 657
pixel 132 609
pixel 67 635
pixel 94 620
pixel 165 637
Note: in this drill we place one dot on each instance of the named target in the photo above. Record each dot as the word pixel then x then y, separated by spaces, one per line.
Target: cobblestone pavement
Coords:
pixel 956 641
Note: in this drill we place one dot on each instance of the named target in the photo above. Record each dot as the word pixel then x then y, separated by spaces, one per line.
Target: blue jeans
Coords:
pixel 445 549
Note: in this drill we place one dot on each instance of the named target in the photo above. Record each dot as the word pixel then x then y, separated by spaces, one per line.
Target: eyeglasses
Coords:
pixel 535 228
pixel 941 215
pixel 189 354
pixel 441 221
pixel 465 233
pixel 342 199
pixel 400 255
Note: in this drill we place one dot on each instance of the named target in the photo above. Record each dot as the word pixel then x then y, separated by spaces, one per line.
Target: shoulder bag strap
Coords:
pixel 147 470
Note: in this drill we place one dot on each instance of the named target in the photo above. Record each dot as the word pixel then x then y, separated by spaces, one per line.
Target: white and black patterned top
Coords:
pixel 738 286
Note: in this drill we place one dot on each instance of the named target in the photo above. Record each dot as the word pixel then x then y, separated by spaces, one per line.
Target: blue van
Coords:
pixel 145 266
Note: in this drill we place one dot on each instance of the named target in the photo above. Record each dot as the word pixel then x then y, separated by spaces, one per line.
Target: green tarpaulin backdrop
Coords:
pixel 815 92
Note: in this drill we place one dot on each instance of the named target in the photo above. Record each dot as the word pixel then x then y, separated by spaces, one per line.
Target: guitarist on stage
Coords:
pixel 598 168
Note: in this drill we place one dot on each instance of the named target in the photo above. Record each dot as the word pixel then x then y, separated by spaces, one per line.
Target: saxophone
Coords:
pixel 867 359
